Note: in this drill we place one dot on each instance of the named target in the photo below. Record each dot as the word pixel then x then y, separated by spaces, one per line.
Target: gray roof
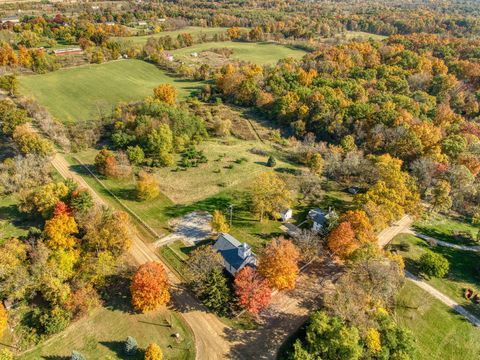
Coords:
pixel 317 215
pixel 228 247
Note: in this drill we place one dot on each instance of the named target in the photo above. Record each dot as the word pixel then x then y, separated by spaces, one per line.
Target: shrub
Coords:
pixel 433 265
pixel 55 320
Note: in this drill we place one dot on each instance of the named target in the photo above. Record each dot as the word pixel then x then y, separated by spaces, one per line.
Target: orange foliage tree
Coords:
pixel 166 93
pixel 149 288
pixel 341 240
pixel 3 319
pixel 252 290
pixel 278 263
pixel 361 225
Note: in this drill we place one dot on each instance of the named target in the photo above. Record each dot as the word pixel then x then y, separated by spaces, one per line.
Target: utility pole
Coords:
pixel 231 213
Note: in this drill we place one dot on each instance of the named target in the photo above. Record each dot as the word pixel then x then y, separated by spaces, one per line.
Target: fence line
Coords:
pixel 130 211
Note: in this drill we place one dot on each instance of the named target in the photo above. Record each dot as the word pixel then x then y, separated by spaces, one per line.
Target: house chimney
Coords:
pixel 244 251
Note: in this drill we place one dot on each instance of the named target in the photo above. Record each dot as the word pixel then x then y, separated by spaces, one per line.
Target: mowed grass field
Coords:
pixel 463 271
pixel 82 93
pixel 440 333
pixel 261 53
pixel 192 30
pixel 103 334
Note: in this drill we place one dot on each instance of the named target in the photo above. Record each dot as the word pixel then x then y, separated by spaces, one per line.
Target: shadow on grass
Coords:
pixel 460 239
pixel 116 293
pixel 55 357
pixel 118 347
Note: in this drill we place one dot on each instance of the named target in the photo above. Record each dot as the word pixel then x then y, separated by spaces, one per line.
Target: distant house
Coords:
pixel 286 215
pixel 95 7
pixel 169 56
pixel 194 54
pixel 354 190
pixel 10 19
pixel 68 51
pixel 110 23
pixel 235 254
pixel 162 20
pixel 142 23
pixel 318 218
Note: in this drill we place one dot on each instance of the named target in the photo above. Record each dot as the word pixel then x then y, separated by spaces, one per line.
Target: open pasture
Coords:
pixel 83 93
pixel 261 53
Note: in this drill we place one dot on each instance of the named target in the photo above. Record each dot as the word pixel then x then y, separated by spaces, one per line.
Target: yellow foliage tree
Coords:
pixel 147 186
pixel 278 263
pixel 59 231
pixel 153 352
pixel 270 195
pixel 372 340
pixel 219 223
pixel 166 93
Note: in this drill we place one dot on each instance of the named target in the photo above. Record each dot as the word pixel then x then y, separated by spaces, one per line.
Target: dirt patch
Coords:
pixel 191 228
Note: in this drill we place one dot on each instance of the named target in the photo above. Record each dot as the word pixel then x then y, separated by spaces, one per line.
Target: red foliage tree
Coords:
pixel 149 288
pixel 62 208
pixel 252 290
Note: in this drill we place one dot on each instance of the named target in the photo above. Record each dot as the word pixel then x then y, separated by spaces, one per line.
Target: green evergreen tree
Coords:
pixel 77 356
pixel 215 293
pixel 131 346
pixel 271 162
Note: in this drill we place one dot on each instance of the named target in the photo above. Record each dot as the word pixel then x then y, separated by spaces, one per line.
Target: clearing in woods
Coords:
pixel 261 53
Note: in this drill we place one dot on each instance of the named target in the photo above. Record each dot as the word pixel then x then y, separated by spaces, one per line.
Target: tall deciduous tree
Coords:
pixel 278 263
pixel 153 352
pixel 252 290
pixel 341 240
pixel 60 230
pixel 361 226
pixel 328 338
pixel 147 186
pixel 270 195
pixel 219 223
pixel 150 288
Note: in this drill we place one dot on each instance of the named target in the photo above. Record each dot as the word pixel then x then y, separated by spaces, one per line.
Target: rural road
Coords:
pixel 404 226
pixel 207 328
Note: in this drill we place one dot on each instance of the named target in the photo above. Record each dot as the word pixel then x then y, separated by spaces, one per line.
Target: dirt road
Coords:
pixel 209 331
pixel 404 226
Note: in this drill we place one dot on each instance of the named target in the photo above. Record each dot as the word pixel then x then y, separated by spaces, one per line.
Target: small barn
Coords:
pixel 236 255
pixel 286 214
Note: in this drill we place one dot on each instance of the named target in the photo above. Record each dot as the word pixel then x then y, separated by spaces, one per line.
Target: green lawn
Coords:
pixel 448 229
pixel 440 333
pixel 12 222
pixel 103 334
pixel 362 35
pixel 195 31
pixel 84 92
pixel 215 185
pixel 260 53
pixel 463 268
